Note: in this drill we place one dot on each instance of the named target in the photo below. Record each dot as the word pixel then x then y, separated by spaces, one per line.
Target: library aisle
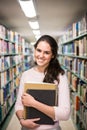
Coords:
pixel 67 23
pixel 15 125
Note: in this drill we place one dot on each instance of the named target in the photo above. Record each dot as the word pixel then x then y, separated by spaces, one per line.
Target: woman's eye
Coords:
pixel 38 50
pixel 47 52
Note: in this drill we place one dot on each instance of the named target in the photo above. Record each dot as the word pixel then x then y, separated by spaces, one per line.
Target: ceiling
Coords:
pixel 54 16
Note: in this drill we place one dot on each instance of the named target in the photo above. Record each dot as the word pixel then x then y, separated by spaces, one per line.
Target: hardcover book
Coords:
pixel 45 93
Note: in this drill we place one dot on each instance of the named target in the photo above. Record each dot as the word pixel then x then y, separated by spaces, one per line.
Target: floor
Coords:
pixel 15 125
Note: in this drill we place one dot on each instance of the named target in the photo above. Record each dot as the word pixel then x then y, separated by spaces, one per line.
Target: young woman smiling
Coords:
pixel 47 69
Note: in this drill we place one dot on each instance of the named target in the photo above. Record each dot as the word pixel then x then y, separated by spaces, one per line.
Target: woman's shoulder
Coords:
pixel 29 71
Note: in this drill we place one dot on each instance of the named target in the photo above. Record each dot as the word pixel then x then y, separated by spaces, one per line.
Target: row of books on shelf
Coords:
pixel 79 122
pixel 7 47
pixel 78 66
pixel 8 89
pixel 79 112
pixel 78 86
pixel 8 34
pixel 28 58
pixel 10 74
pixel 13 47
pixel 28 62
pixel 74 30
pixel 5 108
pixel 27 66
pixel 77 47
pixel 12 42
pixel 27 48
pixel 10 61
pixel 27 51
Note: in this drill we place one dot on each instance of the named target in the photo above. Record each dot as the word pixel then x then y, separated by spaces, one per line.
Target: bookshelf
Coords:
pixel 27 55
pixel 73 58
pixel 11 67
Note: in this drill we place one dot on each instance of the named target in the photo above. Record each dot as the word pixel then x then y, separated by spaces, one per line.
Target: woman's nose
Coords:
pixel 41 54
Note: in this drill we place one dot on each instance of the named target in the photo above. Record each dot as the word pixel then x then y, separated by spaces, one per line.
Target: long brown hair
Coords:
pixel 53 69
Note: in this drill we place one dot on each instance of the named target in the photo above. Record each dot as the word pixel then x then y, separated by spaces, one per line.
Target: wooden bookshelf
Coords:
pixel 73 58
pixel 27 55
pixel 11 67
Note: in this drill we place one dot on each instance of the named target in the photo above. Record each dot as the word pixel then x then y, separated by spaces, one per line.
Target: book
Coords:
pixel 45 93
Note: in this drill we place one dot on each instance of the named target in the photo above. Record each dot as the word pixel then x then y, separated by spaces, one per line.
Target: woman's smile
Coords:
pixel 43 54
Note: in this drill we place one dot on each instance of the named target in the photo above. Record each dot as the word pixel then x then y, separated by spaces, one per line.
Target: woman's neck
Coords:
pixel 39 69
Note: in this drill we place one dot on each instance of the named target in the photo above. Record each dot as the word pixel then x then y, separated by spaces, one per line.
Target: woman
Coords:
pixel 47 69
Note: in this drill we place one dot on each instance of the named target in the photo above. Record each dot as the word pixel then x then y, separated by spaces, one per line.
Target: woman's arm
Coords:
pixel 28 123
pixel 60 112
pixel 19 114
pixel 28 100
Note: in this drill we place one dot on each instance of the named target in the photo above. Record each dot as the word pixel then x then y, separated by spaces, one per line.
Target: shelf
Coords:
pixel 6 120
pixel 11 67
pixel 74 56
pixel 73 59
pixel 76 38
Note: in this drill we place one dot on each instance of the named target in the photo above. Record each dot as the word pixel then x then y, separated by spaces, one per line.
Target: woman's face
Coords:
pixel 43 54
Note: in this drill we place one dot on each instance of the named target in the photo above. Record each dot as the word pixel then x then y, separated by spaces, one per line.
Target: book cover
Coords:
pixel 45 93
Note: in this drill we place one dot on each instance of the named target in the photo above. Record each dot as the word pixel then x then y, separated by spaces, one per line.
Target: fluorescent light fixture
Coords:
pixel 37 37
pixel 32 43
pixel 36 32
pixel 34 25
pixel 28 8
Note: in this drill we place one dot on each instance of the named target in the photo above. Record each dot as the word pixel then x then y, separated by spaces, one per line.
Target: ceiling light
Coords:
pixel 36 32
pixel 37 36
pixel 34 25
pixel 32 43
pixel 28 8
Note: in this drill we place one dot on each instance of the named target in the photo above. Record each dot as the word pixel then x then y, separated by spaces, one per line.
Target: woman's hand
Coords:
pixel 28 100
pixel 29 123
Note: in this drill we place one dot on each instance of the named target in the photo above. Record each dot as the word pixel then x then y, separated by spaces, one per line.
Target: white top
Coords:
pixel 62 111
